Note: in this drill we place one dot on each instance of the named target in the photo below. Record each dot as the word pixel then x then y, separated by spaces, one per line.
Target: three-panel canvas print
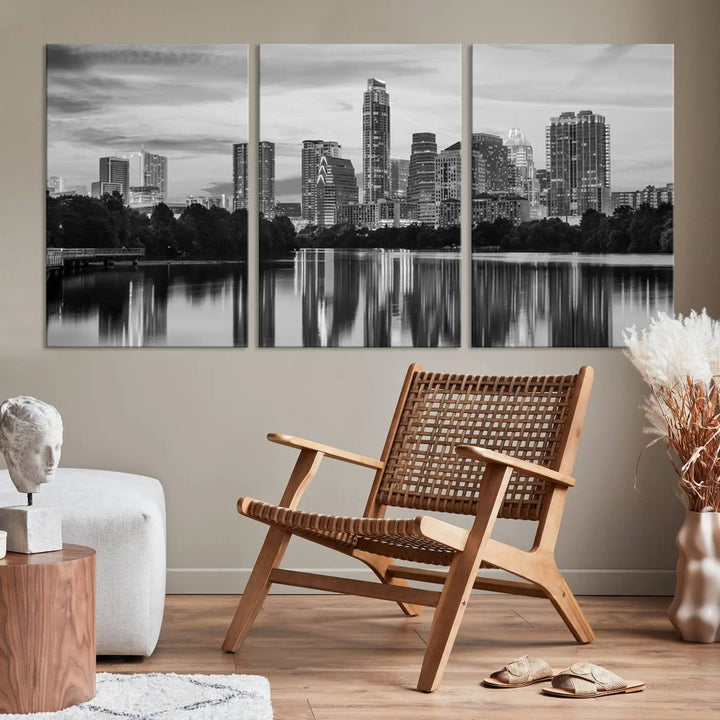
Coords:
pixel 567 202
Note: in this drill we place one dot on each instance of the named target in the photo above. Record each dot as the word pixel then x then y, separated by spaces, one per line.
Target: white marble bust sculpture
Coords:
pixel 31 435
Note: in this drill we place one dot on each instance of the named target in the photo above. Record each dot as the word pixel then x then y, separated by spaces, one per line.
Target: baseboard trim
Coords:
pixel 220 581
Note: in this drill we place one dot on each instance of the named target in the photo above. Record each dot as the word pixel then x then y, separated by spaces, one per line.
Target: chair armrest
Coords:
pixel 522 466
pixel 337 453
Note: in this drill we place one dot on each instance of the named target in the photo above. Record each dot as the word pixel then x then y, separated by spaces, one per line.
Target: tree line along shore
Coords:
pixel 201 233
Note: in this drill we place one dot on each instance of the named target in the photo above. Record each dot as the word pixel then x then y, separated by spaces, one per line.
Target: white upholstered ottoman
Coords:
pixel 122 517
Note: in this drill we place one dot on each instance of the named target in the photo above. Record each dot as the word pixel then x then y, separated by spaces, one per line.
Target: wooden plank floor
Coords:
pixel 337 658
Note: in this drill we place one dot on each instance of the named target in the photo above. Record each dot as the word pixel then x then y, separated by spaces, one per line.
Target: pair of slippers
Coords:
pixel 580 680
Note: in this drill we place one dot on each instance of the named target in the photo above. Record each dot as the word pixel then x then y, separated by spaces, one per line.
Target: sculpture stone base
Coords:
pixel 31 529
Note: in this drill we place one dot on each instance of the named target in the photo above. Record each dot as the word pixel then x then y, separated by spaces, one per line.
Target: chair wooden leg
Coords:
pixel 560 595
pixel 379 565
pixel 460 579
pixel 257 588
pixel 445 624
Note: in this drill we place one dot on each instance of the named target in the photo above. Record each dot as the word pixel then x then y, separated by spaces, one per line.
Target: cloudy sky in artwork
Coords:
pixel 188 102
pixel 523 86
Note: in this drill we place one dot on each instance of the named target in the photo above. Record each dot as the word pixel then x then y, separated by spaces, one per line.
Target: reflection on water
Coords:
pixel 153 305
pixel 525 300
pixel 356 298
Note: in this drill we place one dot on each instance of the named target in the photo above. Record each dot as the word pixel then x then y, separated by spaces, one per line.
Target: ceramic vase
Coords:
pixel 695 610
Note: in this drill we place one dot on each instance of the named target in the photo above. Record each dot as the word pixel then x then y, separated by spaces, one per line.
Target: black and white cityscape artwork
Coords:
pixel 359 190
pixel 145 245
pixel 572 196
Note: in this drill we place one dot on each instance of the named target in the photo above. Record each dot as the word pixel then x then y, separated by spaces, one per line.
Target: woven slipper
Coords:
pixel 520 673
pixel 585 680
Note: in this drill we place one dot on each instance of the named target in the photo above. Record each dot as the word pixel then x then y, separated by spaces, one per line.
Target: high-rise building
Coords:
pixel 336 186
pixel 115 170
pixel 312 151
pixel 135 167
pixel 266 164
pixel 421 175
pixel 448 187
pixel 666 194
pixel 55 185
pixel 155 172
pixel 240 177
pixel 376 142
pixel 149 171
pixel 447 174
pixel 542 176
pixel 520 154
pixel 267 179
pixel 499 171
pixel 577 149
pixel 399 174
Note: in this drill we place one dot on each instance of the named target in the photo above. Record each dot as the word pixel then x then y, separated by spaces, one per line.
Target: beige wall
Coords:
pixel 196 419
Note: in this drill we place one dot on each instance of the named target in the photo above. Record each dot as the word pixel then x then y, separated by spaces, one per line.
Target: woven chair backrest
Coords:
pixel 526 417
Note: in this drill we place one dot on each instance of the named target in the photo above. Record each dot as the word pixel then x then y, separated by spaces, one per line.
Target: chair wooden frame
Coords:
pixel 378 542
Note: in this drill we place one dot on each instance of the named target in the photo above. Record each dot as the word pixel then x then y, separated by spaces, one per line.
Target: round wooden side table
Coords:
pixel 47 630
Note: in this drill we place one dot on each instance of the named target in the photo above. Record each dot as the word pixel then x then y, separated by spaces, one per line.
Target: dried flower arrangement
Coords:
pixel 679 358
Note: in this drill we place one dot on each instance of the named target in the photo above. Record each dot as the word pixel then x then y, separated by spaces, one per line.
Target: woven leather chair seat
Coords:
pixel 396 538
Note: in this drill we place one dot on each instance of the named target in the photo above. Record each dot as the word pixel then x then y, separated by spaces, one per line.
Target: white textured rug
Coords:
pixel 167 696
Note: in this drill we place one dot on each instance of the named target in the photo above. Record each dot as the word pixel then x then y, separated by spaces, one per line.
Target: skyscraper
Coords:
pixel 312 151
pixel 498 168
pixel 542 176
pixel 448 188
pixel 336 186
pixel 135 173
pixel 266 200
pixel 148 178
pixel 55 185
pixel 240 177
pixel 115 170
pixel 376 142
pixel 155 172
pixel 520 154
pixel 399 172
pixel 266 164
pixel 421 175
pixel 577 150
pixel 447 174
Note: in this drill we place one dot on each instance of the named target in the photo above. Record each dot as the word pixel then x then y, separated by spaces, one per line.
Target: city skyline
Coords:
pixel 524 86
pixel 324 86
pixel 106 100
pixel 186 102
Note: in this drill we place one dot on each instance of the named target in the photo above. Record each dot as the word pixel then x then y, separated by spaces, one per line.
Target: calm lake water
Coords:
pixel 554 300
pixel 358 298
pixel 151 305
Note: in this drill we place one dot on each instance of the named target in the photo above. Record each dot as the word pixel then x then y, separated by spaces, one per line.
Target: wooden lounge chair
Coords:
pixel 480 446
